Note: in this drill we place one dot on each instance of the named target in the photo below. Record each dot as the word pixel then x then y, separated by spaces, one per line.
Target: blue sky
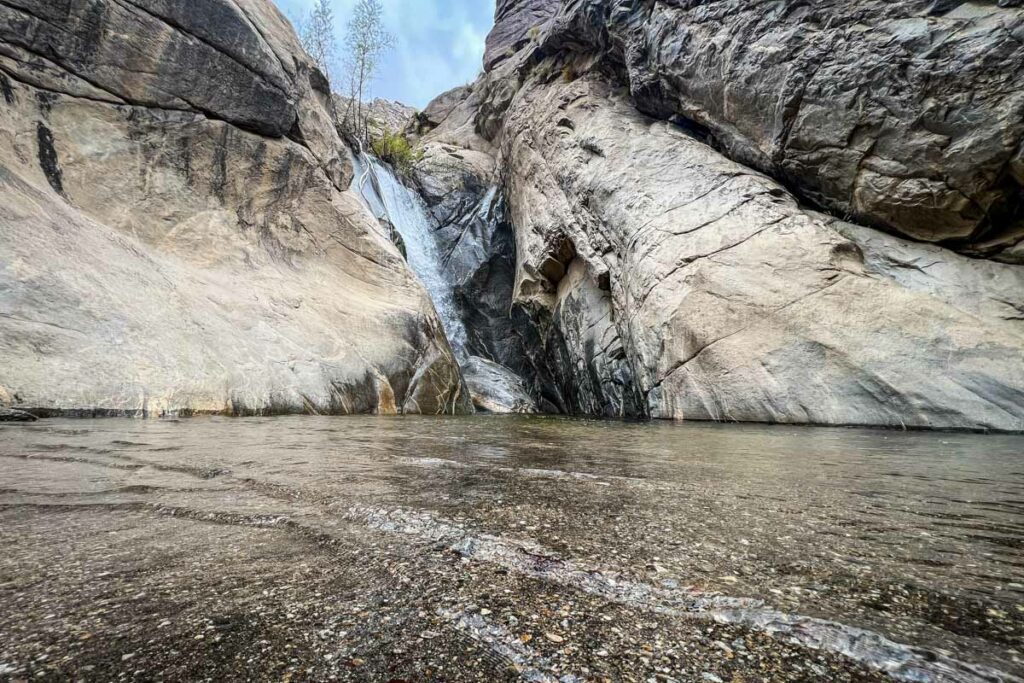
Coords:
pixel 439 44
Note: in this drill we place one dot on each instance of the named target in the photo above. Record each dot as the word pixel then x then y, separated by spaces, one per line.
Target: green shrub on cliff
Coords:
pixel 395 149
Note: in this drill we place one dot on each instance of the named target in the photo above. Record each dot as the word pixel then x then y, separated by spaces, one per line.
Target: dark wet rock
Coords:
pixel 459 182
pixel 903 115
pixel 12 415
pixel 178 235
pixel 495 388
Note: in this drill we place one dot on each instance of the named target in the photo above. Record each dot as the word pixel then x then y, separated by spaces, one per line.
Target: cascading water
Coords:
pixel 494 387
pixel 387 197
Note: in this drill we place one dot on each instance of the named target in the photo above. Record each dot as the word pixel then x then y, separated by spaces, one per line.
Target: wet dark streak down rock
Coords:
pixel 656 275
pixel 178 236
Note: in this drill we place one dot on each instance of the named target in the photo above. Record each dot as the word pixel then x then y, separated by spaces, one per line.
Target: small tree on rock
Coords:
pixel 366 43
pixel 317 35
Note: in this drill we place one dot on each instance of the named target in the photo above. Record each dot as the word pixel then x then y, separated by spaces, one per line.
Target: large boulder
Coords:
pixel 496 389
pixel 907 115
pixel 177 234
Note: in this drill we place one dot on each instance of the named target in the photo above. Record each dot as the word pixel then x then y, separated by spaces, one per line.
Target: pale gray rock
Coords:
pixel 177 234
pixel 679 284
pixel 657 276
pixel 442 106
pixel 496 389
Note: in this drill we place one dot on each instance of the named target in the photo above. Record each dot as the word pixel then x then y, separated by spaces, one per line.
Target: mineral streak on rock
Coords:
pixel 177 234
pixel 659 273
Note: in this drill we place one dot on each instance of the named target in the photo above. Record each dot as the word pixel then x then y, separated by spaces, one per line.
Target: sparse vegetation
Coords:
pixel 395 149
pixel 367 41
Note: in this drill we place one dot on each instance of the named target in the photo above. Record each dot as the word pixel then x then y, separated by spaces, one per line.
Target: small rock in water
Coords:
pixel 554 637
pixel 12 415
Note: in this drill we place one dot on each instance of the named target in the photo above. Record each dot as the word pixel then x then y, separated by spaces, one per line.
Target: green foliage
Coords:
pixel 395 149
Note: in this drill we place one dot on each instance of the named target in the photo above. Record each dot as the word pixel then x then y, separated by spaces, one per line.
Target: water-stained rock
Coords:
pixel 178 236
pixel 907 115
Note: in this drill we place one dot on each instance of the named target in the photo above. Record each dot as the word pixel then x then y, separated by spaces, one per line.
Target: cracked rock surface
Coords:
pixel 177 234
pixel 665 275
pixel 903 115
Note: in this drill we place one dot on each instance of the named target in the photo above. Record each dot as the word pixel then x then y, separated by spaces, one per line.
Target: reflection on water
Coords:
pixel 910 538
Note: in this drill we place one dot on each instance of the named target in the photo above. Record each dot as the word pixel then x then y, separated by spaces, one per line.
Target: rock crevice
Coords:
pixel 660 274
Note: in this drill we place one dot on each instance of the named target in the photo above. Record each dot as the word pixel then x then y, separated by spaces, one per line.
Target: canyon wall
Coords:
pixel 771 212
pixel 178 236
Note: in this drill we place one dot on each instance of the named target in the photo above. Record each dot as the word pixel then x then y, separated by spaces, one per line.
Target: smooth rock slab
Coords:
pixel 495 388
pixel 177 234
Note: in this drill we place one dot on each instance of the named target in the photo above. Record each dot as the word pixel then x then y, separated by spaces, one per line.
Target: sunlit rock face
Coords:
pixel 663 273
pixel 177 233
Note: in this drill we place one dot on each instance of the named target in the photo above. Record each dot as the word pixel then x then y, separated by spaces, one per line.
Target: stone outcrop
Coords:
pixel 178 235
pixel 496 389
pixel 662 274
pixel 908 116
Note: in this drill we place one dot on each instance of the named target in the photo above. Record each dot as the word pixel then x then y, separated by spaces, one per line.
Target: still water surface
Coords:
pixel 509 548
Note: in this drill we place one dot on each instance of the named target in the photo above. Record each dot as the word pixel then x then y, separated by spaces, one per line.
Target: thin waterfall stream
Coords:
pixel 389 198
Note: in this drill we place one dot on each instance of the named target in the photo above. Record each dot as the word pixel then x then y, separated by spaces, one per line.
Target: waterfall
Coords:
pixel 388 198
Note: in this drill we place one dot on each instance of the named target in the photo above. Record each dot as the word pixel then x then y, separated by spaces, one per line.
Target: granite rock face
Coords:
pixel 908 116
pixel 660 271
pixel 516 23
pixel 177 234
pixel 692 287
pixel 496 389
